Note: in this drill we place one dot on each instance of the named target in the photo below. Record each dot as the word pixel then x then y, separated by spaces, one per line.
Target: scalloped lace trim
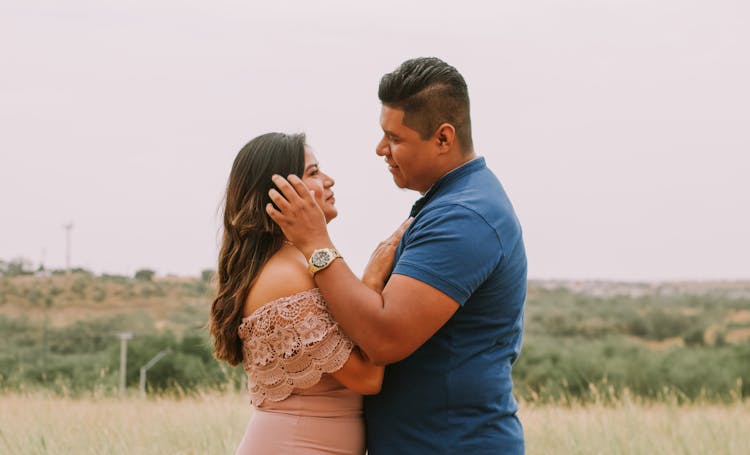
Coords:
pixel 289 343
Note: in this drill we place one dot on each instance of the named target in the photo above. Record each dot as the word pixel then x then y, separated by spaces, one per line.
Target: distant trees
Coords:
pixel 207 275
pixel 145 275
pixel 22 266
pixel 85 356
pixel 576 346
pixel 15 267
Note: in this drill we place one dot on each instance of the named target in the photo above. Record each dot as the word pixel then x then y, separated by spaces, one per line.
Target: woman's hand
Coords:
pixel 379 267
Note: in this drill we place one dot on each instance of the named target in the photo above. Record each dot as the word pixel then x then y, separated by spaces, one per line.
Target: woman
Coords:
pixel 305 377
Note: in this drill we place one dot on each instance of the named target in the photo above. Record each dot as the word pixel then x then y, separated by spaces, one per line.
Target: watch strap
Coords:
pixel 322 258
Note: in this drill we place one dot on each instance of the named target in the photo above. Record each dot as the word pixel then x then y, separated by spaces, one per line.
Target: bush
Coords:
pixel 207 275
pixel 144 274
pixel 100 294
pixel 79 287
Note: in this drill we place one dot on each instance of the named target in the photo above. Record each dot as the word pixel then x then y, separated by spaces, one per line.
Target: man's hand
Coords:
pixel 298 215
pixel 381 261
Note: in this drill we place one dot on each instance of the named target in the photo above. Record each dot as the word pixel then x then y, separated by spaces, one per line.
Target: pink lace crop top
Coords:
pixel 289 343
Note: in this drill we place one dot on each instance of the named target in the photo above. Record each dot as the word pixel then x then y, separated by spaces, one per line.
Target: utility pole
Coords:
pixel 124 337
pixel 68 227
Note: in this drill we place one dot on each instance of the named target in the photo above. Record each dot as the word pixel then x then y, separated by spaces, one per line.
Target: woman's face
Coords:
pixel 320 184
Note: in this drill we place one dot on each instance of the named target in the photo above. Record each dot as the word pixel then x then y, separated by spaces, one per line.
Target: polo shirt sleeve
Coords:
pixel 451 248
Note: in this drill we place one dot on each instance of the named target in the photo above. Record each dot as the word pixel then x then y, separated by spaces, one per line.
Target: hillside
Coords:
pixel 173 303
pixel 688 339
pixel 656 313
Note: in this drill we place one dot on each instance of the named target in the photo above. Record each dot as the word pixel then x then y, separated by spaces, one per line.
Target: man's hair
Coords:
pixel 430 92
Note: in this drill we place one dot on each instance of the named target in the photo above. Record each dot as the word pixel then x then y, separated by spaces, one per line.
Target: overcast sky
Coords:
pixel 619 128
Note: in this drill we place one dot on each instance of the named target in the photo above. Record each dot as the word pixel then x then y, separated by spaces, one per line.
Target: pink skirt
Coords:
pixel 314 421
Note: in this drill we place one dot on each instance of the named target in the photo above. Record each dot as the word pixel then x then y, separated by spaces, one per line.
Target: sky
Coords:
pixel 619 128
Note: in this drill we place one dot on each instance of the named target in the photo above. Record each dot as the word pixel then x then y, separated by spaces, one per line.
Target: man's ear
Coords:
pixel 445 137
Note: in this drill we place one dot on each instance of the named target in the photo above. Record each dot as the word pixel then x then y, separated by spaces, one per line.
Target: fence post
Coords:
pixel 124 337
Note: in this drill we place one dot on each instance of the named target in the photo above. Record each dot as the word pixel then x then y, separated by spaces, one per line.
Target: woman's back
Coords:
pixel 290 343
pixel 283 275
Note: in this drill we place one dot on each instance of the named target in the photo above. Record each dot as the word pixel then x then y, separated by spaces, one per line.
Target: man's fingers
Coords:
pixel 285 188
pixel 273 213
pixel 279 200
pixel 299 186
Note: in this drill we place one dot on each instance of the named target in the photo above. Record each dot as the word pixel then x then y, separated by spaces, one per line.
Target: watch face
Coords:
pixel 320 258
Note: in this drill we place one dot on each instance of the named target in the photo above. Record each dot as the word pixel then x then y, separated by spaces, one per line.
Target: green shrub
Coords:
pixel 144 274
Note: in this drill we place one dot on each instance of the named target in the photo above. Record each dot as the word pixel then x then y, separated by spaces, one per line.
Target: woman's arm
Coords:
pixel 359 375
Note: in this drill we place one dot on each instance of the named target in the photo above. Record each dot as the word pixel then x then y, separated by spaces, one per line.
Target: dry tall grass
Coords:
pixel 35 424
pixel 213 424
pixel 638 429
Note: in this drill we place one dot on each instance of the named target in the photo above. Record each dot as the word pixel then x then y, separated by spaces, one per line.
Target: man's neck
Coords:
pixel 450 167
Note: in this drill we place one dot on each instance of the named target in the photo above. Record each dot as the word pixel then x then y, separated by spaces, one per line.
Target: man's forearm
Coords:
pixel 356 307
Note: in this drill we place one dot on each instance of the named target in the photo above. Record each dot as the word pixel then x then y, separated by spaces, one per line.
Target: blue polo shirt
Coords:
pixel 453 395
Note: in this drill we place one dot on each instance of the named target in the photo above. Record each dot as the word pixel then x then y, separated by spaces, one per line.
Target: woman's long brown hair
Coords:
pixel 250 236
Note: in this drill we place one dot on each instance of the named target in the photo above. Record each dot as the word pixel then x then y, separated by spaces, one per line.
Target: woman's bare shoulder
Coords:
pixel 284 274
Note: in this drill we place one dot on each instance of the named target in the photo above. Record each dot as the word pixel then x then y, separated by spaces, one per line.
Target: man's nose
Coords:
pixel 382 148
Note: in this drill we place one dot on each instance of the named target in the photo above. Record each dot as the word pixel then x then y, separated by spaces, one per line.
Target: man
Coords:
pixel 448 321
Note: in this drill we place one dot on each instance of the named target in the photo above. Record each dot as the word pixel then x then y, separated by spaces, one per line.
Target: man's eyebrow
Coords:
pixel 390 133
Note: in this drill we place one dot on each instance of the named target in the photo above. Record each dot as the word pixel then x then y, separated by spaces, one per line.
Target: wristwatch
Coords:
pixel 321 259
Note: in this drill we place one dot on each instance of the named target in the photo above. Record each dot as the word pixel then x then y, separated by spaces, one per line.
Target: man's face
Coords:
pixel 409 157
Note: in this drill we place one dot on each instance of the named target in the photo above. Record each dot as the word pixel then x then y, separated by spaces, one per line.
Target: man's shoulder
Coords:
pixel 479 190
pixel 478 209
pixel 486 204
pixel 453 214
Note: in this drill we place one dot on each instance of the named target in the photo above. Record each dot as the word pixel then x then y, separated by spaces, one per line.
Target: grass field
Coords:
pixel 214 424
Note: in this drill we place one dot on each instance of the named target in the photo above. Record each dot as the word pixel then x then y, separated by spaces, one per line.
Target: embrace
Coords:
pixel 415 356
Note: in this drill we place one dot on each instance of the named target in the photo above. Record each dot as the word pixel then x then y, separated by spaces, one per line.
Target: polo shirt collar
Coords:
pixel 450 177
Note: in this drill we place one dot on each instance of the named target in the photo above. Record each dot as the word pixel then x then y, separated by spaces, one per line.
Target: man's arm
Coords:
pixel 387 327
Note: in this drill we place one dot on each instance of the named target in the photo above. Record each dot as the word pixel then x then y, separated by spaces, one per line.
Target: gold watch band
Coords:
pixel 322 258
